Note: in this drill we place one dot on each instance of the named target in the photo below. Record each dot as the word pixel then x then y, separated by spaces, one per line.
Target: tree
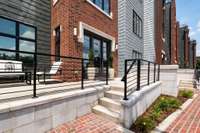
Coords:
pixel 198 64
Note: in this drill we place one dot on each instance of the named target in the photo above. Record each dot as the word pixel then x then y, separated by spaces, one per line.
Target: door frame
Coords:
pixel 102 40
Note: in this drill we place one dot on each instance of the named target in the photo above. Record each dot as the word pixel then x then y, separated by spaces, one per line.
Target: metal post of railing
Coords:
pixel 148 80
pixel 107 72
pixel 35 76
pixel 138 74
pixel 158 72
pixel 154 72
pixel 125 80
pixel 82 74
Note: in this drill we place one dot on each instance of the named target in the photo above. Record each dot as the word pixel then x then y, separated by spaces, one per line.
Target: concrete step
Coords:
pixel 117 88
pixel 103 111
pixel 186 88
pixel 186 81
pixel 112 94
pixel 110 104
pixel 23 92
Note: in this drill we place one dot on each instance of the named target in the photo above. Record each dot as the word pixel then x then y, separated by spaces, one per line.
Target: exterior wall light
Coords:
pixel 75 31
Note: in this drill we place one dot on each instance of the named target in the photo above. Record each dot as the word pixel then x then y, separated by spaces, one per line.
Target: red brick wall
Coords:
pixel 68 14
pixel 159 30
pixel 177 43
pixel 173 33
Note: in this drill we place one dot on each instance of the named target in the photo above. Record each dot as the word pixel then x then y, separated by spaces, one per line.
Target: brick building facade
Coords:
pixel 192 54
pixel 183 47
pixel 81 22
pixel 159 31
pixel 166 32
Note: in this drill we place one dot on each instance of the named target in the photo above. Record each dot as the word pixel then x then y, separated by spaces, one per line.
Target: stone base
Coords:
pixel 44 113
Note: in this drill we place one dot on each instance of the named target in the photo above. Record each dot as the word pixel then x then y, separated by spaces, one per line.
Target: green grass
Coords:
pixel 161 108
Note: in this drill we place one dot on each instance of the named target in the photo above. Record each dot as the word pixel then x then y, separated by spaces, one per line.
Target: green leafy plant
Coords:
pixel 91 58
pixel 145 124
pixel 186 93
pixel 161 108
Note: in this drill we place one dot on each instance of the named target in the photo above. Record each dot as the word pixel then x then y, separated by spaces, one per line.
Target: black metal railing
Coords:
pixel 36 68
pixel 139 73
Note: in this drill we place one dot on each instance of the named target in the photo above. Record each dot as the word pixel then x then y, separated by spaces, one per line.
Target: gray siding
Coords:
pixel 33 12
pixel 149 31
pixel 128 40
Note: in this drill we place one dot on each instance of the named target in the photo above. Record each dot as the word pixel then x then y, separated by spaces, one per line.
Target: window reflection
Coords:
pixel 107 6
pixel 28 47
pixel 7 43
pixel 27 32
pixel 86 47
pixel 103 4
pixel 25 41
pixel 7 26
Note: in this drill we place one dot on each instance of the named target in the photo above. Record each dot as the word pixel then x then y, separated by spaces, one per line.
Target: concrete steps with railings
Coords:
pixel 109 106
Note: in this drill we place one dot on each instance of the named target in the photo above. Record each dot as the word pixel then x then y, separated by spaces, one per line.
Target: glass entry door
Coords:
pixel 97 53
pixel 100 47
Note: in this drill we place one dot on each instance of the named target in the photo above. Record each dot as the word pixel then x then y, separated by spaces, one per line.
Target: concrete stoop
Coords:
pixel 109 106
pixel 186 85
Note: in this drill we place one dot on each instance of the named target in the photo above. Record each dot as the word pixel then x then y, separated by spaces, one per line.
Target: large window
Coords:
pixel 17 36
pixel 137 24
pixel 103 4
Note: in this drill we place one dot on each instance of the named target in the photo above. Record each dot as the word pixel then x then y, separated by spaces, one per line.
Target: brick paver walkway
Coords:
pixel 89 123
pixel 189 120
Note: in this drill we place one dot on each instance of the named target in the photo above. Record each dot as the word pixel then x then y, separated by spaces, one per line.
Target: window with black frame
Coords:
pixel 137 24
pixel 103 4
pixel 57 43
pixel 15 35
pixel 136 55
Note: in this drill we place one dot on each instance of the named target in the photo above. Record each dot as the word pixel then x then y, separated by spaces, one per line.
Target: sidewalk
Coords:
pixel 189 120
pixel 90 123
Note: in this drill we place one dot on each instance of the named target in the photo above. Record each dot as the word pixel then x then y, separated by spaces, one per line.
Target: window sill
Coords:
pixel 106 14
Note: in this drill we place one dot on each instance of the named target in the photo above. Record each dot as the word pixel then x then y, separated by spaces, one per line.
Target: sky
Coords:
pixel 188 12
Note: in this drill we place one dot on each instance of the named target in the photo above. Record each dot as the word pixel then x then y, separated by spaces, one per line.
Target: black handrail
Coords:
pixel 35 64
pixel 128 70
pixel 139 76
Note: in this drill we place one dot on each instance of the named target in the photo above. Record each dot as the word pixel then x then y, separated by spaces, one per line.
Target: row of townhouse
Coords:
pixel 171 41
pixel 123 29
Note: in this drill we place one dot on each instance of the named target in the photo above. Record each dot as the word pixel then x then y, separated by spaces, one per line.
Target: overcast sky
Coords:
pixel 188 12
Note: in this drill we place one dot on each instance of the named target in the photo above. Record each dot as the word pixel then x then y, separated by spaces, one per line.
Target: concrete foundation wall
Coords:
pixel 185 74
pixel 169 78
pixel 43 114
pixel 138 103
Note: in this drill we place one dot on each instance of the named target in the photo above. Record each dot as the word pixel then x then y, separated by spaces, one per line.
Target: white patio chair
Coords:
pixel 55 68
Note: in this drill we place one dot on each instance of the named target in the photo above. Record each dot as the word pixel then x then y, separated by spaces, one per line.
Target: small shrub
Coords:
pixel 155 115
pixel 174 103
pixel 161 108
pixel 145 124
pixel 186 93
pixel 167 103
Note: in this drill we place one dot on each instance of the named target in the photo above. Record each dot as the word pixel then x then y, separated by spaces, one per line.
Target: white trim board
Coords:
pixel 84 26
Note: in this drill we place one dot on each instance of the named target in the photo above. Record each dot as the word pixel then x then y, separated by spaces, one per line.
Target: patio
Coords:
pixel 18 91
